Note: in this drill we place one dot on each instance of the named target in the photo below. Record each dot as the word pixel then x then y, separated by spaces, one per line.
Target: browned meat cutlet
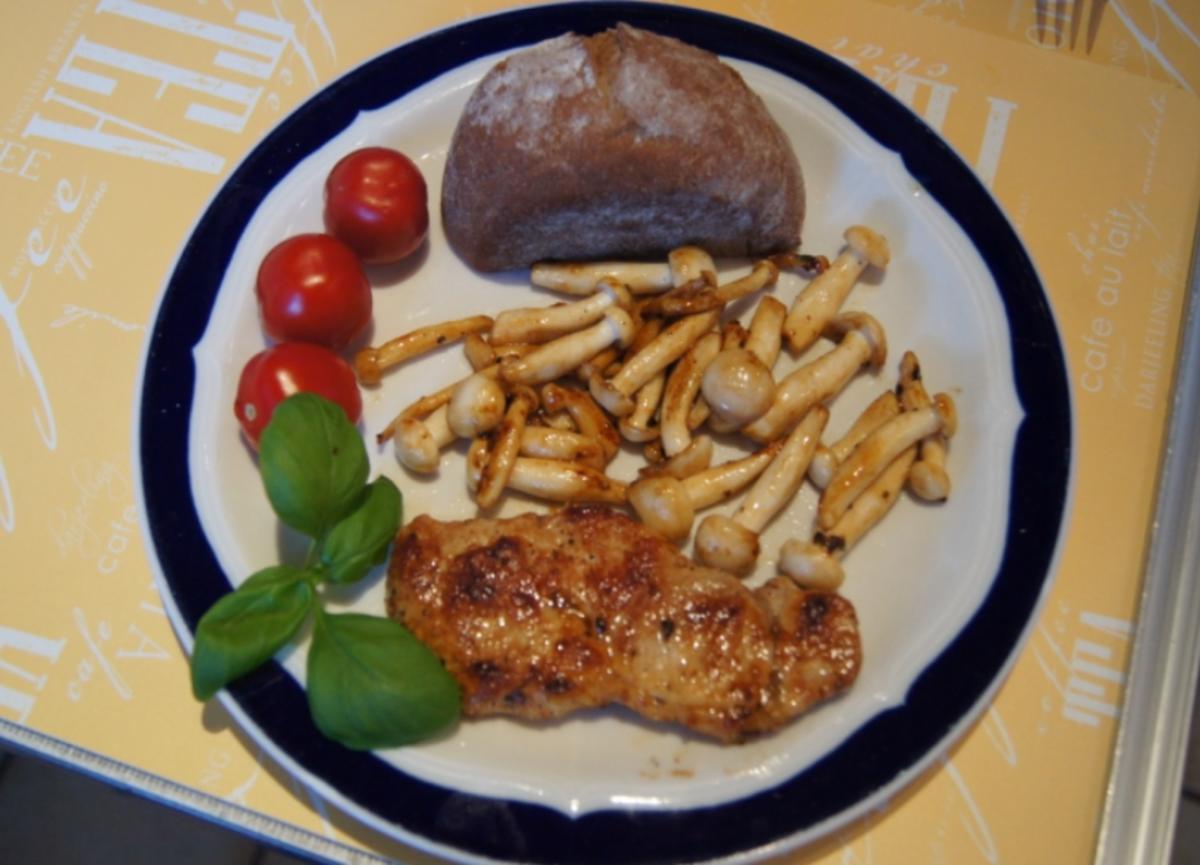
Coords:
pixel 539 616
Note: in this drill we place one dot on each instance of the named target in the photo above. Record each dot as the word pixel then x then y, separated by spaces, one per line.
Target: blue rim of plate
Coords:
pixel 886 749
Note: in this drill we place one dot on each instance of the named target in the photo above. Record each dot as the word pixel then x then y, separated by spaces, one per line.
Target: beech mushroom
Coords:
pixel 418 441
pixel 560 356
pixel 862 341
pixel 668 504
pixel 700 296
pixel 680 394
pixel 637 425
pixel 589 418
pixel 581 278
pixel 821 298
pixel 731 543
pixel 476 404
pixel 540 324
pixel 370 363
pixel 695 458
pixel 615 393
pixel 546 442
pixel 816 564
pixel 825 461
pixel 738 389
pixel 506 446
pixel 928 478
pixel 765 336
pixel 550 479
pixel 877 451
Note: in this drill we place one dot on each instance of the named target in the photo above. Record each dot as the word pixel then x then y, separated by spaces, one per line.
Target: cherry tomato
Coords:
pixel 375 200
pixel 311 288
pixel 272 375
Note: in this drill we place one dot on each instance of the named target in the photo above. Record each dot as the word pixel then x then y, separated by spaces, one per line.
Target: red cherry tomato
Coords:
pixel 375 200
pixel 271 376
pixel 311 288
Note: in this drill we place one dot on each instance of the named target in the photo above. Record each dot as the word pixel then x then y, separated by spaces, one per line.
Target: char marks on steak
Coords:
pixel 539 616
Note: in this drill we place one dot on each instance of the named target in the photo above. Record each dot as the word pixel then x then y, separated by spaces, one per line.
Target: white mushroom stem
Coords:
pixel 877 451
pixel 370 363
pixel 476 404
pixel 825 461
pixel 581 278
pixel 615 393
pixel 506 445
pixel 540 324
pixel 559 357
pixel 823 297
pixel 766 330
pixel 418 441
pixel 738 389
pixel 731 543
pixel 549 443
pixel 668 504
pixel 680 394
pixel 636 426
pixel 589 418
pixel 863 341
pixel 816 564
pixel 928 478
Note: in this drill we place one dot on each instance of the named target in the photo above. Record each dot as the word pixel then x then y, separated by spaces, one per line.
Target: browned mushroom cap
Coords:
pixel 877 451
pixel 418 441
pixel 539 324
pixel 476 404
pixel 560 356
pixel 862 341
pixel 731 543
pixel 928 478
pixel 370 363
pixel 668 505
pixel 816 564
pixel 581 278
pixel 821 298
pixel 738 389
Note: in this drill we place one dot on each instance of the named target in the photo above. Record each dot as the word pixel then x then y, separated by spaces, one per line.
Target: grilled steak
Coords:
pixel 539 616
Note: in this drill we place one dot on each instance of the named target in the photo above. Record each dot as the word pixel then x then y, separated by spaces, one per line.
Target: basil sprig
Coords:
pixel 371 683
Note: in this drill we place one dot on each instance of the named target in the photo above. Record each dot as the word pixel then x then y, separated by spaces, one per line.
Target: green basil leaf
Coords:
pixel 360 541
pixel 246 627
pixel 372 684
pixel 313 463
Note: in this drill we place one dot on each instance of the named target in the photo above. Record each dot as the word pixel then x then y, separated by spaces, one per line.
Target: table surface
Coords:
pixel 106 102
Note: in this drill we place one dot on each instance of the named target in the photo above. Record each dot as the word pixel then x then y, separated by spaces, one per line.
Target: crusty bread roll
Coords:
pixel 623 144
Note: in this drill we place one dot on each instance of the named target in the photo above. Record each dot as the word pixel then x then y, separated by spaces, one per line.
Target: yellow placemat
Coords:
pixel 121 119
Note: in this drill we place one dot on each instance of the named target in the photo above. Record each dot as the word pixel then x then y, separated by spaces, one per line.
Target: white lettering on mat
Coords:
pixel 251 49
pixel 21 702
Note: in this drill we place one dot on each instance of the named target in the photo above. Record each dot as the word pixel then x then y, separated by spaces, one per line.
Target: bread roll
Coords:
pixel 624 144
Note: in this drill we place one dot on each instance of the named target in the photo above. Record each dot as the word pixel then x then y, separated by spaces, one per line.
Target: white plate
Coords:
pixel 925 580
